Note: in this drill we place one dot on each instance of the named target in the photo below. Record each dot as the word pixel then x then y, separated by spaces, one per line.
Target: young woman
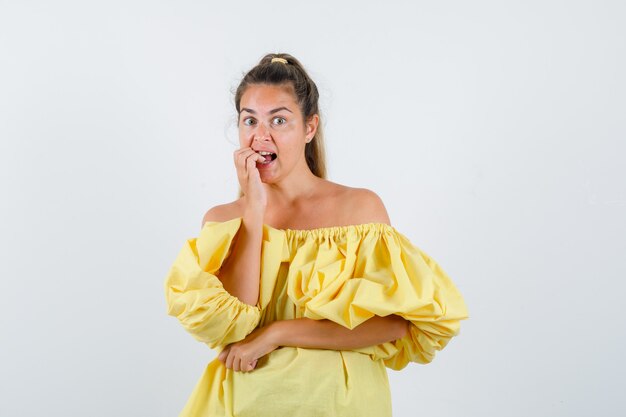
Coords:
pixel 302 284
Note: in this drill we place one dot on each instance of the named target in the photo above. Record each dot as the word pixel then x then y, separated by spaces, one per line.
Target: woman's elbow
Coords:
pixel 403 326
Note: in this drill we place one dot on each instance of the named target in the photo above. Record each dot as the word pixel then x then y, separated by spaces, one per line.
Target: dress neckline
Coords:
pixel 331 228
pixel 327 230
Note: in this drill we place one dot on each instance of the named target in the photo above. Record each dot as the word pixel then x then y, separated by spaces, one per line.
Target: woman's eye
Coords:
pixel 248 122
pixel 279 120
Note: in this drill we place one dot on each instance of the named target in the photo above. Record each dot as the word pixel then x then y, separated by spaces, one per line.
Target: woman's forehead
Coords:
pixel 263 95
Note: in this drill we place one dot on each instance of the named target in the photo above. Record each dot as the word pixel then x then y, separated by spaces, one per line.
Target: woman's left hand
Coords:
pixel 243 355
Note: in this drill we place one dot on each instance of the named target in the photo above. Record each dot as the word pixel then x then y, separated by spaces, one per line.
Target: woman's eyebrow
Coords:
pixel 270 112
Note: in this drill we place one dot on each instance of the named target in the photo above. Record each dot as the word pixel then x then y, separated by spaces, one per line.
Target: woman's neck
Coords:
pixel 293 190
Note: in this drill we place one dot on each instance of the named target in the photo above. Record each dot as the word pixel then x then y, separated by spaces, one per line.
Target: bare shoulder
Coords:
pixel 223 212
pixel 369 207
pixel 364 206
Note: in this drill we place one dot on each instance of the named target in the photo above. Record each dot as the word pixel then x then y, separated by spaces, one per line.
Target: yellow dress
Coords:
pixel 346 274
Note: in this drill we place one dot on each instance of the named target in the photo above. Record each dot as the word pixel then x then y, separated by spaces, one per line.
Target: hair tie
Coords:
pixel 283 60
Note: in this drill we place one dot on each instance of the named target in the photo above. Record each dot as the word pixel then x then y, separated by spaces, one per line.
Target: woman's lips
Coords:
pixel 269 158
pixel 263 165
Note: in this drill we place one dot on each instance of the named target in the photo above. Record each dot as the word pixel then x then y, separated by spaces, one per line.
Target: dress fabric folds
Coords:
pixel 346 274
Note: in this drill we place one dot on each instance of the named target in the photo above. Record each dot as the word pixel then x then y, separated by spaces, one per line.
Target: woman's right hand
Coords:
pixel 250 179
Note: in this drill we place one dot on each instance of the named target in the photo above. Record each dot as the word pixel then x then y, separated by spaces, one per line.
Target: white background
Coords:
pixel 493 131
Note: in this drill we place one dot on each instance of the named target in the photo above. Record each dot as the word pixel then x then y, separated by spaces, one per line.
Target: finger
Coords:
pixel 251 162
pixel 229 360
pixel 240 157
pixel 225 352
pixel 239 153
pixel 252 154
pixel 242 154
pixel 250 365
pixel 237 364
pixel 246 162
pixel 241 169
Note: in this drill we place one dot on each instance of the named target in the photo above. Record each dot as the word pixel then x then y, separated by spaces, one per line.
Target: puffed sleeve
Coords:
pixel 196 296
pixel 383 274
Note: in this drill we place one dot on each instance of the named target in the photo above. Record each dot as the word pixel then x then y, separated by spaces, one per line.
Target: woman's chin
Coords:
pixel 266 173
pixel 266 177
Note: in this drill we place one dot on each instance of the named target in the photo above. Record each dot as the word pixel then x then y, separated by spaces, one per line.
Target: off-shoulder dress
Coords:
pixel 346 274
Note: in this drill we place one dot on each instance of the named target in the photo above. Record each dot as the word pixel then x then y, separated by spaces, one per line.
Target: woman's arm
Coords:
pixel 309 333
pixel 240 272
pixel 326 334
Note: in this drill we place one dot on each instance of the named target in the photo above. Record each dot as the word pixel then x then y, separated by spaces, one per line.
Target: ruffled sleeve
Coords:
pixel 384 273
pixel 196 296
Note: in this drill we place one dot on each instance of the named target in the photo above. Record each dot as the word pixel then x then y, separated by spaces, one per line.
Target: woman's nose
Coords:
pixel 262 132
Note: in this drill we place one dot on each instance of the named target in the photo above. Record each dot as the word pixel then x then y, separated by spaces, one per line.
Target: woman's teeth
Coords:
pixel 269 156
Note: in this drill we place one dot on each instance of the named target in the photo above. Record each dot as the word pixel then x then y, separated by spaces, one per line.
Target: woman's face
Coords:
pixel 270 120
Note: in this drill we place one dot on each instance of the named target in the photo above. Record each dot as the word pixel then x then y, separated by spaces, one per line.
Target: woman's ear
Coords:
pixel 311 127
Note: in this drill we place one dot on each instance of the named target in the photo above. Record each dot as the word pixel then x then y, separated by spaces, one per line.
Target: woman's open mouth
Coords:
pixel 269 157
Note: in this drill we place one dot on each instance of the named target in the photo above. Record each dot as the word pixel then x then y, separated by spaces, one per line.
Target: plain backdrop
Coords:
pixel 493 131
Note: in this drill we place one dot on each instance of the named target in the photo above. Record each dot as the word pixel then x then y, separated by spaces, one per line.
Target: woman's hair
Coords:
pixel 292 73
